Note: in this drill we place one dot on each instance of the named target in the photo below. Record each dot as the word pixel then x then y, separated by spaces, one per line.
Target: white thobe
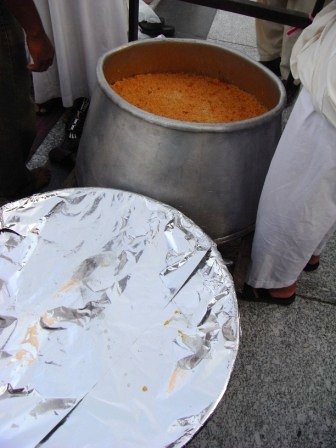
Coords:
pixel 313 61
pixel 81 31
pixel 297 209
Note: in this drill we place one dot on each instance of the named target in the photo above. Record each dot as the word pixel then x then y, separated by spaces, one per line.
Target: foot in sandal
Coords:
pixel 278 296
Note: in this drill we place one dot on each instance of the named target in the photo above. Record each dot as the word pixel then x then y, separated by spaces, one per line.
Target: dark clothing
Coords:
pixel 17 112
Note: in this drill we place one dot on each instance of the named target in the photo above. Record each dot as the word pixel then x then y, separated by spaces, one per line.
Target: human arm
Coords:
pixel 39 45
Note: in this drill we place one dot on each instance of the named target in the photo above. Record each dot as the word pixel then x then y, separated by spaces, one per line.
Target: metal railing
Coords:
pixel 245 7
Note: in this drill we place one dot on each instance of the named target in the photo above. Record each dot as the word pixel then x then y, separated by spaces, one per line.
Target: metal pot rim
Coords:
pixel 187 125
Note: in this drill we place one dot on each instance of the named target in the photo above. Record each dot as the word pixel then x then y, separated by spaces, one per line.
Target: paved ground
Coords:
pixel 283 389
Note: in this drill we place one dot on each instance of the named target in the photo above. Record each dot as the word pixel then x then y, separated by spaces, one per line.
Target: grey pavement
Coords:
pixel 282 392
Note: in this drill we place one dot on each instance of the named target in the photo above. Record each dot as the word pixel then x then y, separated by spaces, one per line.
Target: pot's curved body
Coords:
pixel 213 173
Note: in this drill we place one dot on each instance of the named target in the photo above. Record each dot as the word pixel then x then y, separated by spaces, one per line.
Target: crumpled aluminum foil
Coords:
pixel 119 324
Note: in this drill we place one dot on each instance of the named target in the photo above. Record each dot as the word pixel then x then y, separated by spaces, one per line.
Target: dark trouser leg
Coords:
pixel 17 115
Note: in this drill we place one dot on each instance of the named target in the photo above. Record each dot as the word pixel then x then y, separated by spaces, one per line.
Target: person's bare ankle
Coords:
pixel 283 293
pixel 314 259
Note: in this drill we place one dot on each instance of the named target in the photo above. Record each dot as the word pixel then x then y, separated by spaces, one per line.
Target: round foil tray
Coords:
pixel 119 324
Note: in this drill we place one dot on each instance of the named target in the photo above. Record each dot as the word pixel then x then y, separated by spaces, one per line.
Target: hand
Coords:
pixel 41 51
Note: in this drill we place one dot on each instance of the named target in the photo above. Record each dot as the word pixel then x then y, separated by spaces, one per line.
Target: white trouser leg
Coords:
pixel 269 34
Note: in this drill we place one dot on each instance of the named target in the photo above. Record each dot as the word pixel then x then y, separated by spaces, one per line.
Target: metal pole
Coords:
pixel 253 9
pixel 133 18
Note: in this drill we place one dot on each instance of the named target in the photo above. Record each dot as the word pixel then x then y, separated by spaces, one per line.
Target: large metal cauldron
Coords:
pixel 213 173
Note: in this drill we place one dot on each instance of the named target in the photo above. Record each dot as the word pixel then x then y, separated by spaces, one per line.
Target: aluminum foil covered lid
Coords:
pixel 118 322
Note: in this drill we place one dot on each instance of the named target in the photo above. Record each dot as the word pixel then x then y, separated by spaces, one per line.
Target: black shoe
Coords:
pixel 151 26
pixel 273 65
pixel 263 295
pixel 292 91
pixel 155 29
pixel 64 154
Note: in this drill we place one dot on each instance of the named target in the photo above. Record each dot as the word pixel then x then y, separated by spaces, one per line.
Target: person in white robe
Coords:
pixel 297 208
pixel 81 31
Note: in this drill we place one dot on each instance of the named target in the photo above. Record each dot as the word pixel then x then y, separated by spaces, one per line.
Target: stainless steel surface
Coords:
pixel 211 172
pixel 119 323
